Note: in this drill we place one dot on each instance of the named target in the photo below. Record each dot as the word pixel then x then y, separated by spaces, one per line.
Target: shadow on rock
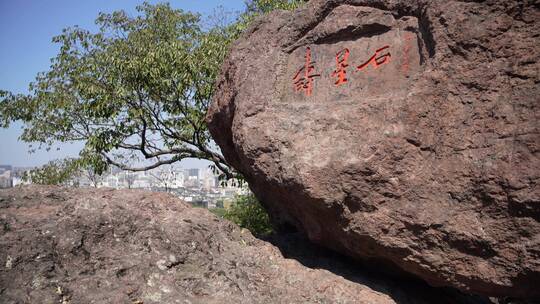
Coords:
pixel 402 288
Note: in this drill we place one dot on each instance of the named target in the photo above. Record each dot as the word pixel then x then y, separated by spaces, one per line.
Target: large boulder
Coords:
pixel 403 131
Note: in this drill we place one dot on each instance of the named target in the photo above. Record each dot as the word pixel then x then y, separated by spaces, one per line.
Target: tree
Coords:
pixel 137 91
pixel 56 172
pixel 92 176
pixel 129 178
pixel 165 178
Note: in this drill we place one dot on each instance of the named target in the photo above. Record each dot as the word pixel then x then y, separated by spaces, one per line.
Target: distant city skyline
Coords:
pixel 26 30
pixel 199 187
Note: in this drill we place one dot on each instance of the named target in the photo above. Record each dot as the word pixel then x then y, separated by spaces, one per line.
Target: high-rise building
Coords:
pixel 193 172
pixel 208 179
pixel 6 181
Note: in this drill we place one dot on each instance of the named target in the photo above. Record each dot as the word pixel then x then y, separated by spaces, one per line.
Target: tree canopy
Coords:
pixel 136 92
pixel 55 172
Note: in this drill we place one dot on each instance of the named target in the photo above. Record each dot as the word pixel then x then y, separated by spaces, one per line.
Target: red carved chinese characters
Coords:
pixel 377 59
pixel 303 80
pixel 341 66
pixel 405 53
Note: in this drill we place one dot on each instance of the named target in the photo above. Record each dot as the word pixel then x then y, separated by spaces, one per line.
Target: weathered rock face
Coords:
pixel 60 245
pixel 406 131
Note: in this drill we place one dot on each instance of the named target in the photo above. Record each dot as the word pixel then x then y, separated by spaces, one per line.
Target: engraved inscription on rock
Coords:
pixel 369 54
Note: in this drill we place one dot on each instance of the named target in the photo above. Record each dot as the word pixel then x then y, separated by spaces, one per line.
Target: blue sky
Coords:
pixel 26 30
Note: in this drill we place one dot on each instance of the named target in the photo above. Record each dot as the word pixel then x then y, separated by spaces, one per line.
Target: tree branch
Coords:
pixel 145 168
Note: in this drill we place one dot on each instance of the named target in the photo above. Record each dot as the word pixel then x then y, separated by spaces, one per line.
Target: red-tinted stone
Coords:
pixel 427 157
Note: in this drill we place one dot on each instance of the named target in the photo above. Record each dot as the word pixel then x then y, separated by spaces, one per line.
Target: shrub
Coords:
pixel 248 213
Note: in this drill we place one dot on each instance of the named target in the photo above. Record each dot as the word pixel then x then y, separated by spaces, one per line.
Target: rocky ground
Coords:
pixel 61 245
